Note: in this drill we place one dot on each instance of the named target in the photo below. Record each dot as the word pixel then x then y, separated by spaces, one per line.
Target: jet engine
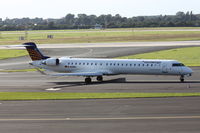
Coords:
pixel 52 62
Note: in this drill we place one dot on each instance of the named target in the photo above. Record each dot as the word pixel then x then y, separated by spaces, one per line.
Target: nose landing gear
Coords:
pixel 182 78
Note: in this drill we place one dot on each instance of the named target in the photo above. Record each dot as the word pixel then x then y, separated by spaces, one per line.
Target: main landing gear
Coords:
pixel 182 78
pixel 99 78
pixel 88 80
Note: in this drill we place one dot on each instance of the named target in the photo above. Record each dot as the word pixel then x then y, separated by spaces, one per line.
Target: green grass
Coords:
pixel 5 54
pixel 189 56
pixel 63 96
pixel 108 35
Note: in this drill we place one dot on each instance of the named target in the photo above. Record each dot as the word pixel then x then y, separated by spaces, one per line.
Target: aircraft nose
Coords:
pixel 189 71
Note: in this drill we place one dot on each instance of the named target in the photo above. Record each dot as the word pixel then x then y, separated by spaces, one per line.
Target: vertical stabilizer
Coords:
pixel 34 52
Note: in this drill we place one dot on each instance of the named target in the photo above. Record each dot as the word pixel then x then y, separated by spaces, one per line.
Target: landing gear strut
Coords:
pixel 88 80
pixel 99 78
pixel 182 78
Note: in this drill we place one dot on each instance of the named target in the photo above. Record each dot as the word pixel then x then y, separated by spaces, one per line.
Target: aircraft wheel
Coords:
pixel 88 80
pixel 99 78
pixel 182 78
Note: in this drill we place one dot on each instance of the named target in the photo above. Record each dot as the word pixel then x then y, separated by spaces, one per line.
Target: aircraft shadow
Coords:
pixel 118 81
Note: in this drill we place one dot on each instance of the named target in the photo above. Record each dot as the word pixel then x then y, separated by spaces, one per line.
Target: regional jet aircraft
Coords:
pixel 86 67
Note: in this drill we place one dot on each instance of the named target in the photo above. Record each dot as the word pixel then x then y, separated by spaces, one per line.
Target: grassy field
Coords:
pixel 188 56
pixel 5 54
pixel 62 96
pixel 108 35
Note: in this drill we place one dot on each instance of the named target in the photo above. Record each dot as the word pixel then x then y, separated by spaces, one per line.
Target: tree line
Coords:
pixel 83 21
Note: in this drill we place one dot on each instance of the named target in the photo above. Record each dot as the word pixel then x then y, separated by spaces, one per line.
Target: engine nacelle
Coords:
pixel 52 62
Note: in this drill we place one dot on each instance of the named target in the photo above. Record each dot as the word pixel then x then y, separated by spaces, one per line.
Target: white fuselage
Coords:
pixel 117 66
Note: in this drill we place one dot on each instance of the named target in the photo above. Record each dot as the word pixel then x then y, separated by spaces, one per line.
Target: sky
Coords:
pixel 126 8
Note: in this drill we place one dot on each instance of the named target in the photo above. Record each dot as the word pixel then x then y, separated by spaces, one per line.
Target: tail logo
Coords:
pixel 34 52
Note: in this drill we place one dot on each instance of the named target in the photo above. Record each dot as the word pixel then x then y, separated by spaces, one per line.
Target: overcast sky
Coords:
pixel 127 8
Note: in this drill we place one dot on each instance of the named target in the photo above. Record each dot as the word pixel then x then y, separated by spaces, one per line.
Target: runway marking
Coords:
pixel 53 89
pixel 92 119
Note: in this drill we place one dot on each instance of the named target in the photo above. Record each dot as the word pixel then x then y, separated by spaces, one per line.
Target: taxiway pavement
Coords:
pixel 142 115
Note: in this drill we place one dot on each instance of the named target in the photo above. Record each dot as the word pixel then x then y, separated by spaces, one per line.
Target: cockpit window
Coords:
pixel 177 65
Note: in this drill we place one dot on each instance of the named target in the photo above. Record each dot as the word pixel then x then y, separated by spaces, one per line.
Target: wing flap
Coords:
pixel 79 74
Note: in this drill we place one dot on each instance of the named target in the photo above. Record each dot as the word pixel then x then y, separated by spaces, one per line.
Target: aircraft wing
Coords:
pixel 79 74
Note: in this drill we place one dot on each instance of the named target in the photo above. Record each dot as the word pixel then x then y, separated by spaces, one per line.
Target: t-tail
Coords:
pixel 34 52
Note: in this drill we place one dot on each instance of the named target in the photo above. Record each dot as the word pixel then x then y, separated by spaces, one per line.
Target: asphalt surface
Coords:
pixel 143 115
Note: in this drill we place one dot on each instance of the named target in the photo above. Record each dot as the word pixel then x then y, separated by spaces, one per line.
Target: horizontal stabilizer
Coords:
pixel 10 46
pixel 33 51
